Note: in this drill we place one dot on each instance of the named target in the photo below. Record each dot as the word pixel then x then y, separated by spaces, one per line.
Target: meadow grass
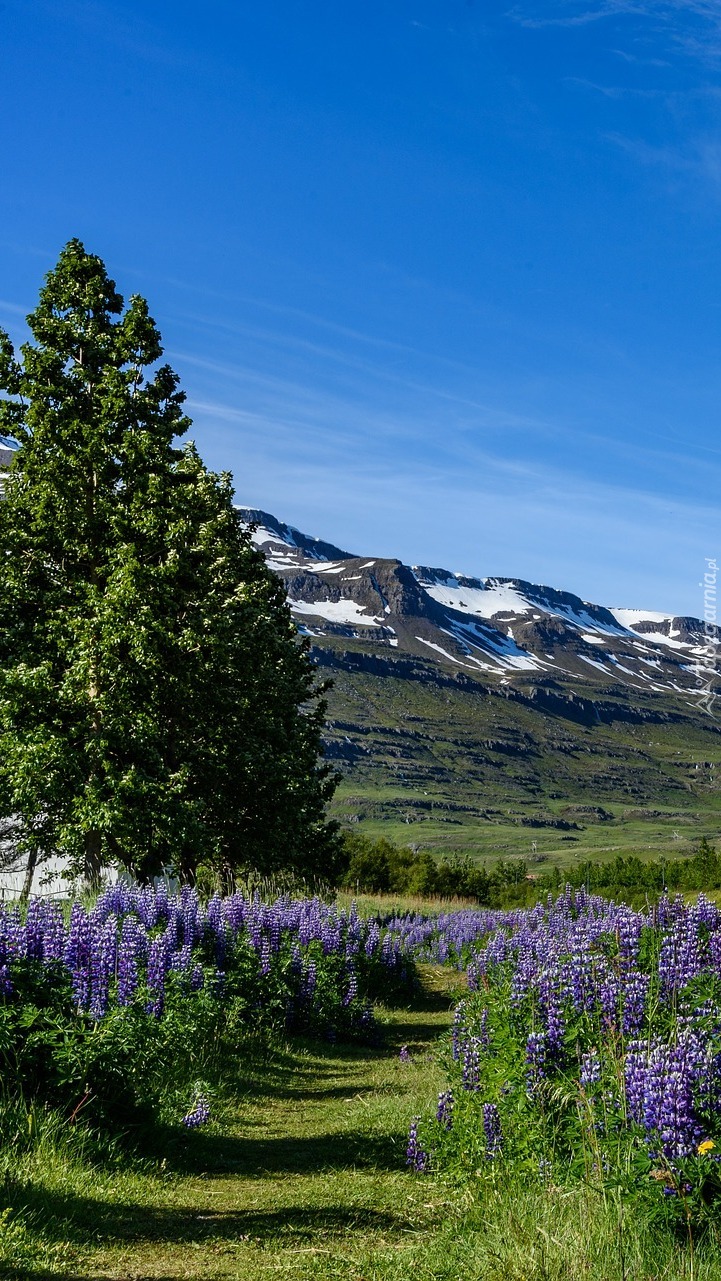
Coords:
pixel 382 905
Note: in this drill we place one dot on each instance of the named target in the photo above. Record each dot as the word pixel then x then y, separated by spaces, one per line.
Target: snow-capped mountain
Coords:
pixel 490 626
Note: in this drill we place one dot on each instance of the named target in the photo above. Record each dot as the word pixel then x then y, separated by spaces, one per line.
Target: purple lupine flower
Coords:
pixel 634 1071
pixel 265 956
pixel 484 1034
pixel 635 994
pixel 608 997
pixel 215 921
pixel 492 1129
pixel 255 930
pixel 590 1069
pixel 234 912
pixel 416 1156
pixel 681 957
pixel 309 980
pixel 152 906
pixel 182 959
pixel 628 927
pixel 78 954
pixel 158 964
pixel 471 1064
pixel 53 933
pixel 444 1110
pixel 102 965
pixel 661 1083
pixel 555 1026
pixel 536 1058
pixel 12 936
pixel 405 1054
pixel 351 992
pixel 458 1033
pixel 188 915
pixel 127 960
pixel 199 1113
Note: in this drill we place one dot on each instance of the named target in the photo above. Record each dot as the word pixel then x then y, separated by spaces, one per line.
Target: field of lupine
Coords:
pixel 585 1057
pixel 111 1013
pixel 588 1049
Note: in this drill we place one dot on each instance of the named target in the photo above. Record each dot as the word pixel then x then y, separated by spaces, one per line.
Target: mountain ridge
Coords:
pixel 496 626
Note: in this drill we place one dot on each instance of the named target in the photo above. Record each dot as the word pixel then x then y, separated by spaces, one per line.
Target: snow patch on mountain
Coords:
pixel 336 611
pixel 630 618
pixel 502 649
pixel 485 602
pixel 440 650
pixel 593 662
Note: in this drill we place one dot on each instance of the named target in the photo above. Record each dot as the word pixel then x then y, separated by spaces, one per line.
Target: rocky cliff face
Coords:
pixel 499 630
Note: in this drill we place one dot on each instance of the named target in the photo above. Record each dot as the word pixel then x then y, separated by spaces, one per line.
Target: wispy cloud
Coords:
pixel 617 92
pixel 692 26
pixel 569 14
pixel 574 13
pixel 640 61
pixel 699 157
pixel 130 30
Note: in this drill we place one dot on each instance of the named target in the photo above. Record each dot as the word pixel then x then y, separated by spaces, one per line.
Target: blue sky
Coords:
pixel 442 278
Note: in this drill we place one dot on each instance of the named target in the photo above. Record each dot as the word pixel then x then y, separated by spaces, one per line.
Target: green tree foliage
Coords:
pixel 632 879
pixel 156 705
pixel 379 867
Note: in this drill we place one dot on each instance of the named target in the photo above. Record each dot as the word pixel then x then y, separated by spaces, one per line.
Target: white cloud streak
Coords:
pixel 692 27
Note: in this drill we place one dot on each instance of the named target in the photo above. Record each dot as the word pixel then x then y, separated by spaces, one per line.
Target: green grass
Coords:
pixel 302 1175
pixel 458 769
pixel 398 904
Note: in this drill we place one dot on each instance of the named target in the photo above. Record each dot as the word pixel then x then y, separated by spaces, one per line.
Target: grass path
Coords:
pixel 304 1178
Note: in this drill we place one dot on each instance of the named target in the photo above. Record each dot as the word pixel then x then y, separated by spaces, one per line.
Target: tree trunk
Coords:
pixel 29 873
pixel 93 839
pixel 93 862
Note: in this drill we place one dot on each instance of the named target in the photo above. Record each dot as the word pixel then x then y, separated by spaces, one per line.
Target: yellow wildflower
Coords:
pixel 706 1146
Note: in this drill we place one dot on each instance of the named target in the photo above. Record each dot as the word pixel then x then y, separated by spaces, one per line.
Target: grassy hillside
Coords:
pixel 453 764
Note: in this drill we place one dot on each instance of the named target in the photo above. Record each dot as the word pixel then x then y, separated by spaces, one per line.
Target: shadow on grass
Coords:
pixel 72 1218
pixel 42 1274
pixel 312 1071
pixel 415 1035
pixel 250 1156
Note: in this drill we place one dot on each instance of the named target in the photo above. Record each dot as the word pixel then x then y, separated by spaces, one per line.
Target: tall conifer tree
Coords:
pixel 156 705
